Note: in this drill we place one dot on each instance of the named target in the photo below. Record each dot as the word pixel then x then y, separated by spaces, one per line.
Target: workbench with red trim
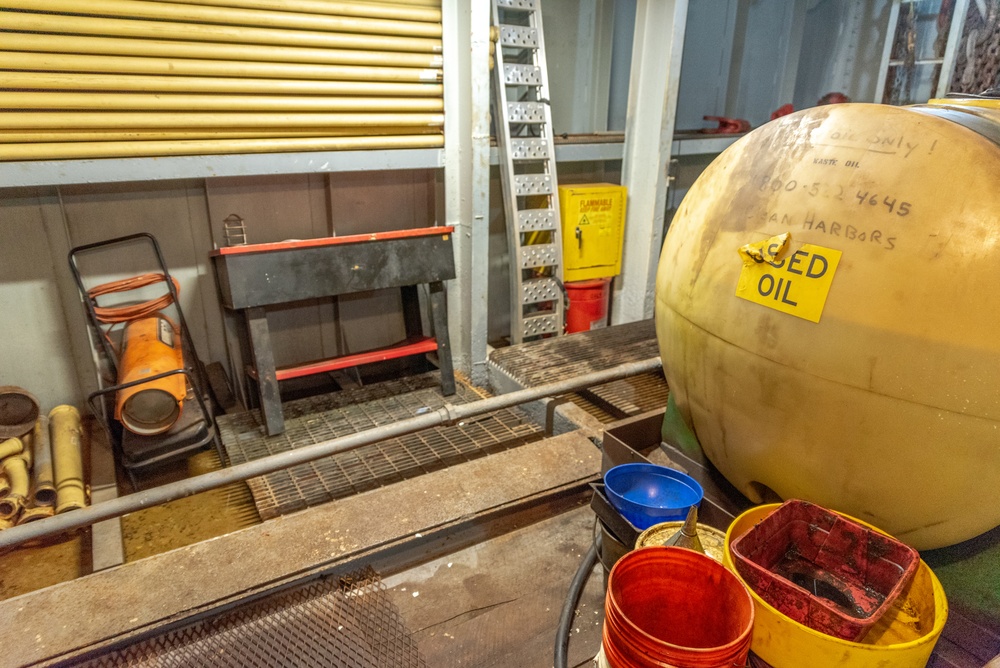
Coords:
pixel 252 277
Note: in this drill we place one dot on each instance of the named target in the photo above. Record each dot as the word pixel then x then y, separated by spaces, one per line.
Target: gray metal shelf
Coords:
pixel 114 170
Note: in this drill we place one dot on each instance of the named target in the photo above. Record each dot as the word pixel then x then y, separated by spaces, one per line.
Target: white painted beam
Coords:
pixel 652 103
pixel 466 176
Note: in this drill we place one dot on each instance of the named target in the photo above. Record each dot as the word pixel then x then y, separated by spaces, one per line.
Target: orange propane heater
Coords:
pixel 150 346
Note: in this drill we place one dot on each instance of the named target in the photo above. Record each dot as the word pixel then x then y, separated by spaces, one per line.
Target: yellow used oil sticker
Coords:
pixel 793 282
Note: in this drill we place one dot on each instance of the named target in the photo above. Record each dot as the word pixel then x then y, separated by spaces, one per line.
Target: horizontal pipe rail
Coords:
pixel 228 103
pixel 213 85
pixel 61 135
pixel 122 46
pixel 176 490
pixel 58 62
pixel 27 120
pixel 88 25
pixel 388 10
pixel 81 150
pixel 231 16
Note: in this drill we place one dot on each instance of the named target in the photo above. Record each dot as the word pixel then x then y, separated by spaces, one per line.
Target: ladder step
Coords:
pixel 529 149
pixel 539 255
pixel 537 325
pixel 532 184
pixel 522 75
pixel 537 290
pixel 536 220
pixel 525 112
pixel 522 37
pixel 526 5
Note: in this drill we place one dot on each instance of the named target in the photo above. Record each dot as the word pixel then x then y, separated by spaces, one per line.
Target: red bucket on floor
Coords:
pixel 673 606
pixel 588 305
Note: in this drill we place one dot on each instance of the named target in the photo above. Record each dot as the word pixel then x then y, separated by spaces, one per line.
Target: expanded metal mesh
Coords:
pixel 349 622
pixel 549 360
pixel 317 419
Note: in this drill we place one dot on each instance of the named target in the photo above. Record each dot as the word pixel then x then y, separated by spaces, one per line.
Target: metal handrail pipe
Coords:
pixel 448 414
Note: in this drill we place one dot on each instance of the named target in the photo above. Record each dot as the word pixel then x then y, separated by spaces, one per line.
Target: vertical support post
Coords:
pixel 652 103
pixel 439 316
pixel 890 37
pixel 263 362
pixel 466 27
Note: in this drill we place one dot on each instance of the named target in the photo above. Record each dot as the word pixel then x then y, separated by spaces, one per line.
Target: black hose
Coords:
pixel 569 607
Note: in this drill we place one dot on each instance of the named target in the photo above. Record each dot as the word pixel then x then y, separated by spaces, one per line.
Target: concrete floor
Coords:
pixel 497 603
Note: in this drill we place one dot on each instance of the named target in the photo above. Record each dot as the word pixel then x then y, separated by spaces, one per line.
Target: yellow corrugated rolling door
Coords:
pixel 121 78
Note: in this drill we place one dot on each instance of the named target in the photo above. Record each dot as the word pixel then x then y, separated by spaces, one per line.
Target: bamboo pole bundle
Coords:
pixel 120 78
pixel 232 16
pixel 121 46
pixel 87 25
pixel 228 103
pixel 391 9
pixel 105 149
pixel 58 62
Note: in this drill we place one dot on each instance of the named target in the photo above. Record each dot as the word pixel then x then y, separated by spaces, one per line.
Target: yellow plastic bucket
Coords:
pixel 903 638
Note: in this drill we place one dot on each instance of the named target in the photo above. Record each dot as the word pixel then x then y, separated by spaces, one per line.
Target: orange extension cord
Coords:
pixel 127 313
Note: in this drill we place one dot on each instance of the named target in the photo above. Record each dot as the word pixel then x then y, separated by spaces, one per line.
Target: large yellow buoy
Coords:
pixel 828 314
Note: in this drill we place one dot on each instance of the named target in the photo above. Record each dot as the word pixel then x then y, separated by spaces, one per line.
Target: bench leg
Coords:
pixel 439 316
pixel 263 362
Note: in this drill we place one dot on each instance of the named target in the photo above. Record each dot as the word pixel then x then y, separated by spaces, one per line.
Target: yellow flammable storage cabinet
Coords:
pixel 593 222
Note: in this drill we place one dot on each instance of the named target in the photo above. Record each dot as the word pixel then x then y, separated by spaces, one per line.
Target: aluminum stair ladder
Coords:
pixel 523 121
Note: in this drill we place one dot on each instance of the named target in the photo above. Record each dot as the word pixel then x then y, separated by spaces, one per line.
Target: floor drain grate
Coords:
pixel 548 360
pixel 317 419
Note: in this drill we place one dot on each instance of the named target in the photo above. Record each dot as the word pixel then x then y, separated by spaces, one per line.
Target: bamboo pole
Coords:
pixel 81 150
pixel 213 50
pixel 87 25
pixel 57 135
pixel 232 16
pixel 218 85
pixel 27 120
pixel 228 103
pixel 386 10
pixel 57 62
pixel 67 459
pixel 43 488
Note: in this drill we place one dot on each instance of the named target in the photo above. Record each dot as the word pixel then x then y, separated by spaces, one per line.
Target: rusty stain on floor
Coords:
pixel 29 568
pixel 191 519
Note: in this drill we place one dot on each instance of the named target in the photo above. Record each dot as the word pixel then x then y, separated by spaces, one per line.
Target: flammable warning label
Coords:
pixel 793 282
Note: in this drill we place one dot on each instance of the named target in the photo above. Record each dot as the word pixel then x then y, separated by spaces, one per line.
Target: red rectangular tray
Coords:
pixel 823 570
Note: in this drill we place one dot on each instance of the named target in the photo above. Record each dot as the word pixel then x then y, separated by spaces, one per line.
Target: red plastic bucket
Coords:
pixel 676 607
pixel 588 304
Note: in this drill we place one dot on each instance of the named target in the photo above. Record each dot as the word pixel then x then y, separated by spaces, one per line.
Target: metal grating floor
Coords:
pixel 548 360
pixel 321 418
pixel 347 623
